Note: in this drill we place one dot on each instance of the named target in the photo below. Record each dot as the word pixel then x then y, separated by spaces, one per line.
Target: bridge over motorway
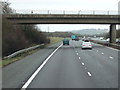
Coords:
pixel 65 18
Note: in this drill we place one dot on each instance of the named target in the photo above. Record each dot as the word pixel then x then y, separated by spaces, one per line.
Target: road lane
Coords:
pixel 103 69
pixel 72 67
pixel 69 67
pixel 15 74
pixel 63 70
pixel 40 68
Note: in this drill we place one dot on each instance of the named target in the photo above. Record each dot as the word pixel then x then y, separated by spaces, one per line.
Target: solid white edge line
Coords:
pixel 89 74
pixel 38 70
pixel 83 64
pixel 112 48
pixel 109 47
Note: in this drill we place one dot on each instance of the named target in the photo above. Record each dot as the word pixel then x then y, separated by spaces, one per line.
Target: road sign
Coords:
pixel 73 37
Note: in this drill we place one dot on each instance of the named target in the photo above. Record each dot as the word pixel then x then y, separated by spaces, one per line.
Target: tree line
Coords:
pixel 58 34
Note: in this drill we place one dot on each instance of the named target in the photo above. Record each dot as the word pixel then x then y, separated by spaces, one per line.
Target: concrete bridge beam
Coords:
pixel 113 33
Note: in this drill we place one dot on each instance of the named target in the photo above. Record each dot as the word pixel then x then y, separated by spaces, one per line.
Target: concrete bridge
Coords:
pixel 63 19
pixel 113 20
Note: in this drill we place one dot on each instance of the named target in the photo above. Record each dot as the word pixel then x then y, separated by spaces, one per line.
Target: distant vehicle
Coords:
pixel 66 41
pixel 118 41
pixel 86 44
pixel 76 39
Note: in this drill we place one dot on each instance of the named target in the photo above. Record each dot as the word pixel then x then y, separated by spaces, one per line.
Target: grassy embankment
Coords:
pixel 5 62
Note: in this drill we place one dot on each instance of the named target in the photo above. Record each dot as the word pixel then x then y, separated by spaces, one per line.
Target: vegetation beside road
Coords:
pixel 17 37
pixel 59 34
pixel 54 40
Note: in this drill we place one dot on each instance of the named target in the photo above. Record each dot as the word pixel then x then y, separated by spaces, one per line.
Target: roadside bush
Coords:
pixel 16 37
pixel 13 38
pixel 34 35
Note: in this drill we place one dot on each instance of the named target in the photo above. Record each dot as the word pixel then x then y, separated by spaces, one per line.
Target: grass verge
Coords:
pixel 54 40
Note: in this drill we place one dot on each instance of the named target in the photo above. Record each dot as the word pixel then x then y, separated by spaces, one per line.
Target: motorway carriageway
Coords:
pixel 67 67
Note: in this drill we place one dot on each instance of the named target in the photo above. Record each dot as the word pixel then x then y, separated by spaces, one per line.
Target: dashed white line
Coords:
pixel 102 53
pixel 85 68
pixel 83 63
pixel 38 70
pixel 97 50
pixel 89 74
pixel 77 53
pixel 79 57
pixel 111 57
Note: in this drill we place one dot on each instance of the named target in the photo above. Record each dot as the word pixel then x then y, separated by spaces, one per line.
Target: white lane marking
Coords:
pixel 111 57
pixel 38 70
pixel 102 53
pixel 89 74
pixel 79 58
pixel 85 68
pixel 77 53
pixel 97 50
pixel 83 63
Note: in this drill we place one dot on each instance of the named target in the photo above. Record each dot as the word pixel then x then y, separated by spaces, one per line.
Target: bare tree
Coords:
pixel 5 6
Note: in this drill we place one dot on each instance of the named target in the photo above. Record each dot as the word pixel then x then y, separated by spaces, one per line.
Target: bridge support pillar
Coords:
pixel 112 33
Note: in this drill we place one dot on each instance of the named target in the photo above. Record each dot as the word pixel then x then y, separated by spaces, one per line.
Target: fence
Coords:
pixel 77 12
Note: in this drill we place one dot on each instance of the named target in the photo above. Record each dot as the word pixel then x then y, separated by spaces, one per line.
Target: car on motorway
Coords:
pixel 65 41
pixel 108 39
pixel 118 41
pixel 86 44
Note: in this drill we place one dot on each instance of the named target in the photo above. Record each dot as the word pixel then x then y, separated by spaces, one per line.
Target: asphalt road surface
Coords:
pixel 69 67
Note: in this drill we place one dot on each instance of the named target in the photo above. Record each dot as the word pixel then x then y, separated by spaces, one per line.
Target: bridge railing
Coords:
pixel 77 12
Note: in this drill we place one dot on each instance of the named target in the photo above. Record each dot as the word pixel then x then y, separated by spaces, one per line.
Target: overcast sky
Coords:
pixel 65 4
pixel 84 5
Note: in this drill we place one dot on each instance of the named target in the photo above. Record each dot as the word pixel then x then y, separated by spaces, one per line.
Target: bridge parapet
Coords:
pixel 91 12
pixel 64 17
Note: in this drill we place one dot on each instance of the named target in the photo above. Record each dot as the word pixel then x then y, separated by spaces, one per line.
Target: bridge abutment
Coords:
pixel 113 33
